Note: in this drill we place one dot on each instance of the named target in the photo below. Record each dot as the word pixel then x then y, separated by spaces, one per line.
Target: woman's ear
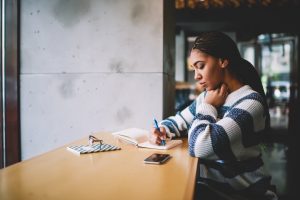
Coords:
pixel 224 63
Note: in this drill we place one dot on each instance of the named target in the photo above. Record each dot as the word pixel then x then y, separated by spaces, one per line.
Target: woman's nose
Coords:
pixel 197 76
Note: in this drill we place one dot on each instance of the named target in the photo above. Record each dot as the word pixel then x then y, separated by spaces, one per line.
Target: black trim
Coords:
pixel 11 153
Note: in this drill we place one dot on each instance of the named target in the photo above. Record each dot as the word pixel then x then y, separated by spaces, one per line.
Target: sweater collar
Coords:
pixel 239 93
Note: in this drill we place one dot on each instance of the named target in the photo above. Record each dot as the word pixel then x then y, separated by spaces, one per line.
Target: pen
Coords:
pixel 163 142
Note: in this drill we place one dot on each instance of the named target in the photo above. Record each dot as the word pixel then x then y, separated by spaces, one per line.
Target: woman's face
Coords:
pixel 209 71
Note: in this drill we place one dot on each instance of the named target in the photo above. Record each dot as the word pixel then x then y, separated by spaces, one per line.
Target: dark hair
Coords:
pixel 220 45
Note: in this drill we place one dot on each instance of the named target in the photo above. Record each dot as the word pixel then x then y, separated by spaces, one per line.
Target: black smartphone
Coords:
pixel 157 158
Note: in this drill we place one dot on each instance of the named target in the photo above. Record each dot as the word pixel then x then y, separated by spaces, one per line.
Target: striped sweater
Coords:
pixel 226 139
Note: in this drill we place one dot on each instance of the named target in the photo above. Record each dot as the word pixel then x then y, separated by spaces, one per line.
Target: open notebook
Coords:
pixel 140 137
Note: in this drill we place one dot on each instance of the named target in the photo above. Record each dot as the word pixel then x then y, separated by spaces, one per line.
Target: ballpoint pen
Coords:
pixel 163 142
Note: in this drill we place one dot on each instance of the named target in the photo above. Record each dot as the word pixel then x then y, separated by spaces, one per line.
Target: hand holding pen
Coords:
pixel 163 141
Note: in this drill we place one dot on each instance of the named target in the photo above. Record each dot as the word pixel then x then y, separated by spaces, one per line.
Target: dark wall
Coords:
pixel 247 22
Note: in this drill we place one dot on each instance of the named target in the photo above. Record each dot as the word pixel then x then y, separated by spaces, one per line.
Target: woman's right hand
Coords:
pixel 217 97
pixel 156 137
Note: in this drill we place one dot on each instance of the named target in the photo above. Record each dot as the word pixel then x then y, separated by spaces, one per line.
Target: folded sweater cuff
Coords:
pixel 207 109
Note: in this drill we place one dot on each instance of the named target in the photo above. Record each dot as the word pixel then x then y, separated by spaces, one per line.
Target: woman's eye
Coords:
pixel 200 66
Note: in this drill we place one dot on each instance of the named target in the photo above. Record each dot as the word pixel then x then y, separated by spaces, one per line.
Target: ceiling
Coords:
pixel 248 18
pixel 222 4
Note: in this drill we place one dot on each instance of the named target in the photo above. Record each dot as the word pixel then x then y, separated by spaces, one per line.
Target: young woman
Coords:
pixel 227 122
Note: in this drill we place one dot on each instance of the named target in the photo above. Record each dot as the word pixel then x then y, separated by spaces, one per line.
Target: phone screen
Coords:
pixel 157 158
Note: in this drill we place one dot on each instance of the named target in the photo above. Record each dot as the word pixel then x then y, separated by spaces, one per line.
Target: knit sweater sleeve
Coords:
pixel 240 127
pixel 178 125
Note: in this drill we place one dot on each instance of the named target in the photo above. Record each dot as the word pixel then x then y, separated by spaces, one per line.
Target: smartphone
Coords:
pixel 157 158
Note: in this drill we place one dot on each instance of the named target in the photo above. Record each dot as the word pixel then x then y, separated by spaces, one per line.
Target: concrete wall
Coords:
pixel 92 65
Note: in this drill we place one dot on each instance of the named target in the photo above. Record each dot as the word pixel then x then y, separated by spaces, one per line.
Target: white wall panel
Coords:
pixel 91 36
pixel 92 65
pixel 57 109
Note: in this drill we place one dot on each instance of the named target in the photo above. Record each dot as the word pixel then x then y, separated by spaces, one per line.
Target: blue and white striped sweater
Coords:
pixel 231 133
pixel 213 133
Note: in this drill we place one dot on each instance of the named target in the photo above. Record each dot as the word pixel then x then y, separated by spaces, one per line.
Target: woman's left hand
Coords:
pixel 218 96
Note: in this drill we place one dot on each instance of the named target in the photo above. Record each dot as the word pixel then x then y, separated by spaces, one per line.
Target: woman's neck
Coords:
pixel 232 83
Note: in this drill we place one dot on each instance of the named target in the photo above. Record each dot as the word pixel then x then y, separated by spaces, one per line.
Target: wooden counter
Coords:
pixel 121 174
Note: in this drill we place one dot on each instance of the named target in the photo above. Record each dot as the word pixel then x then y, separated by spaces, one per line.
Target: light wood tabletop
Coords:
pixel 121 174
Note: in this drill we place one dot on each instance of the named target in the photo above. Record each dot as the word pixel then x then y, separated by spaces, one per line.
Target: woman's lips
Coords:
pixel 202 85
